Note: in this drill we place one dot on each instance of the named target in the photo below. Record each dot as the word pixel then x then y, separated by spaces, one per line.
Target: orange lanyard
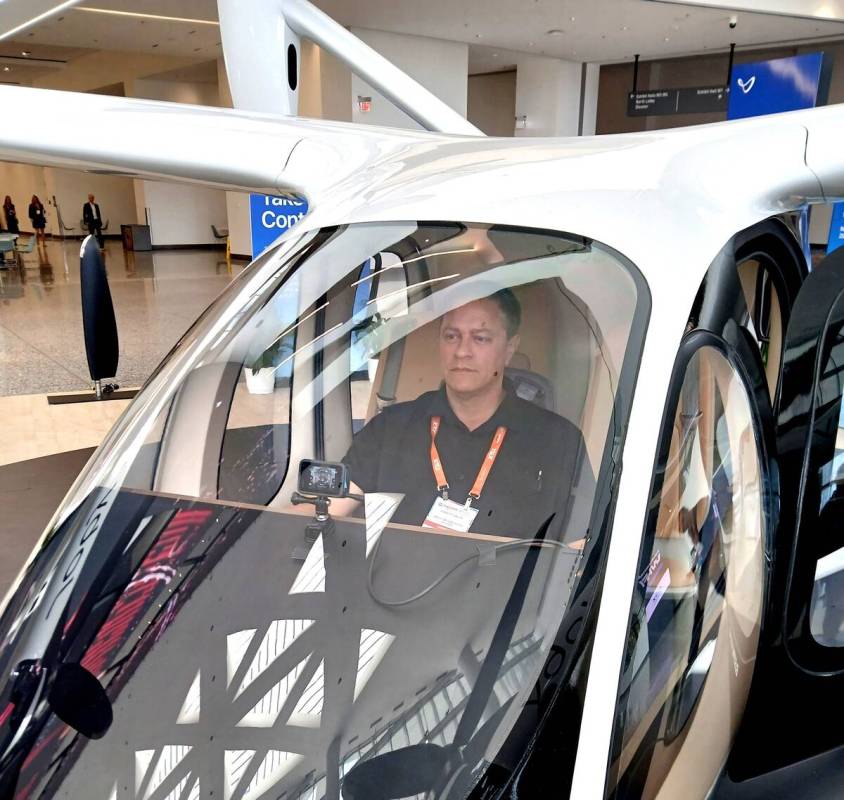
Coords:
pixel 483 473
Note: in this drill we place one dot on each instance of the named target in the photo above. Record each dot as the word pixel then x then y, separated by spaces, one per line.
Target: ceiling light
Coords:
pixel 36 19
pixel 7 69
pixel 138 15
pixel 25 52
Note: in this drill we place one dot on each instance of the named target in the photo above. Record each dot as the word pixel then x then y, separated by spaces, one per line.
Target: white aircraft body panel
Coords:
pixel 668 201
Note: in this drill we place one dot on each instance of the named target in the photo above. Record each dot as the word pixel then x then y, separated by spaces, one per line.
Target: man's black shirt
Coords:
pixel 532 478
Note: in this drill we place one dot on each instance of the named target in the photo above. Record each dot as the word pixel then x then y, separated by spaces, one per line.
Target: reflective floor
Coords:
pixel 157 295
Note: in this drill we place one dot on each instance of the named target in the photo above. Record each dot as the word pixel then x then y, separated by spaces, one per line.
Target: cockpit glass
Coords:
pixel 332 546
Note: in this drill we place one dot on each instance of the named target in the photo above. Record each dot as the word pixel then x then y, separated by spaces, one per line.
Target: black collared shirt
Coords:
pixel 531 481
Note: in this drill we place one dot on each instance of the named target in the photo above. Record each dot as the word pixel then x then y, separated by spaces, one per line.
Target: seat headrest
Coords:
pixel 532 386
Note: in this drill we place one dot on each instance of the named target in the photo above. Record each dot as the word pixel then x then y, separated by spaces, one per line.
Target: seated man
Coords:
pixel 472 456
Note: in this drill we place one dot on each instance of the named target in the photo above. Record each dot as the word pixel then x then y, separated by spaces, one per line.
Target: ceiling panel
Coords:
pixel 79 27
pixel 587 30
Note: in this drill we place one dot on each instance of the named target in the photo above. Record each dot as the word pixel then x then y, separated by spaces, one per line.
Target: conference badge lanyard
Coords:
pixel 445 514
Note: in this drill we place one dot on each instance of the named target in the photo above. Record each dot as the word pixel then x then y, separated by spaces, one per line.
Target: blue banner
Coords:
pixel 271 216
pixel 769 87
pixel 836 228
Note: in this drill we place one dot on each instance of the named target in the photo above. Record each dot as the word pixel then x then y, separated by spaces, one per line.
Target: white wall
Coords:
pixel 199 94
pixel 180 214
pixel 240 230
pixel 440 66
pixel 819 221
pixel 548 94
pixel 20 182
pixel 70 189
pixel 590 99
pixel 183 214
pixel 492 102
pixel 114 195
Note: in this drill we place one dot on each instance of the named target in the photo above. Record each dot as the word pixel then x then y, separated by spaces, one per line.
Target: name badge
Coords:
pixel 446 515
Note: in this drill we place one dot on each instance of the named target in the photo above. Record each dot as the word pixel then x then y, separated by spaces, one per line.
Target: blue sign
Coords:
pixel 836 228
pixel 271 216
pixel 769 87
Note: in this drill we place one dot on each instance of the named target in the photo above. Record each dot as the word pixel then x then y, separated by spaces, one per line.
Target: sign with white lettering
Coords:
pixel 688 100
pixel 836 228
pixel 272 216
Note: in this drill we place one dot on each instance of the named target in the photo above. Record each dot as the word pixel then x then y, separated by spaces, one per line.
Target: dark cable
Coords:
pixel 507 546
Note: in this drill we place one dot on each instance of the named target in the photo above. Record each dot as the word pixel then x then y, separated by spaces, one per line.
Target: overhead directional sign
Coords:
pixel 688 100
pixel 271 216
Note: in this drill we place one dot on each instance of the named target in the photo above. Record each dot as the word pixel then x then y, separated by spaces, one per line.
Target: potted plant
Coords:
pixel 261 373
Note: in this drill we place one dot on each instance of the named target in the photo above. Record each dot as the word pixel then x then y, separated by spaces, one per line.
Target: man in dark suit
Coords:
pixel 92 219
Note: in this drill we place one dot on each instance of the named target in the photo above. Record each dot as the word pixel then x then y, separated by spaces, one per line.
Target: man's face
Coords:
pixel 90 198
pixel 474 348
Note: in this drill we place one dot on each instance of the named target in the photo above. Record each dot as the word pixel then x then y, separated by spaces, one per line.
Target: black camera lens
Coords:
pixel 322 477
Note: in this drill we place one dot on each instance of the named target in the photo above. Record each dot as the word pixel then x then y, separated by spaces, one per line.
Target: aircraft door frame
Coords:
pixel 799 679
pixel 677 727
pixel 718 323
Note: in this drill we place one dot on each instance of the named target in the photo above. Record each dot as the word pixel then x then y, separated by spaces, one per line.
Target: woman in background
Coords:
pixel 11 215
pixel 39 219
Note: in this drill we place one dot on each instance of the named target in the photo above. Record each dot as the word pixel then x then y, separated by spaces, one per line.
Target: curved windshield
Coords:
pixel 335 546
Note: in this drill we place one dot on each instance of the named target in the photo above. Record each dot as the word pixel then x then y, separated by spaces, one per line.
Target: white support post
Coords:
pixel 259 50
pixel 257 47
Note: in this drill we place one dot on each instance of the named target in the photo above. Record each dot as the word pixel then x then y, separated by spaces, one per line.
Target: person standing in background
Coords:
pixel 38 218
pixel 91 217
pixel 11 215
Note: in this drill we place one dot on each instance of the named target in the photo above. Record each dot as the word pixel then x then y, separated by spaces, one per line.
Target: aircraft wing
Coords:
pixel 219 147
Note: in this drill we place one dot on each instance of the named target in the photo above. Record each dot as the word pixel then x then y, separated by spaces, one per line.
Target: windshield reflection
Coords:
pixel 411 635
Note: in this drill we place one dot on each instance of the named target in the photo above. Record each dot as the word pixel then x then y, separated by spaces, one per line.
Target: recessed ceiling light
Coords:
pixel 554 32
pixel 26 53
pixel 7 69
pixel 572 19
pixel 666 39
pixel 625 28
